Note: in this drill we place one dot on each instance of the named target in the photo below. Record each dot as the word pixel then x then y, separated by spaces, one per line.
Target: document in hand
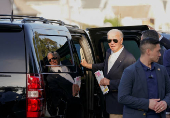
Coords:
pixel 99 76
pixel 77 81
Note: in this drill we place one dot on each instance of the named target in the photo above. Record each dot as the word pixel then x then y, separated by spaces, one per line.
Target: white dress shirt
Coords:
pixel 113 57
pixel 63 69
pixel 160 38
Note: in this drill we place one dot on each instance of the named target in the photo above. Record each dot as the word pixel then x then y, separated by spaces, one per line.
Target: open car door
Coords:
pixel 131 40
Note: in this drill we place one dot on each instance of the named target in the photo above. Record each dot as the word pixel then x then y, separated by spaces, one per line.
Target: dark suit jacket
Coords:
pixel 58 83
pixel 166 45
pixel 160 61
pixel 166 60
pixel 124 60
pixel 61 90
pixel 165 42
pixel 133 91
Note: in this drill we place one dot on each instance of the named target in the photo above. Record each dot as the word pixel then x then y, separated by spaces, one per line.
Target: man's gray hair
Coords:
pixel 48 54
pixel 55 54
pixel 115 31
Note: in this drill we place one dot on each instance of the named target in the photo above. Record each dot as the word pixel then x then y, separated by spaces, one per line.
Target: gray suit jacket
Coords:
pixel 133 91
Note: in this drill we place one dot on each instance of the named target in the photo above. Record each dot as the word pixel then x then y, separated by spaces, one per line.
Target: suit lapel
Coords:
pixel 159 79
pixel 106 63
pixel 118 62
pixel 142 77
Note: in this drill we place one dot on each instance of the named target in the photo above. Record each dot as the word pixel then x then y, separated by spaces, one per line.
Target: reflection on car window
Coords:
pixel 45 44
pixel 12 52
pixel 78 55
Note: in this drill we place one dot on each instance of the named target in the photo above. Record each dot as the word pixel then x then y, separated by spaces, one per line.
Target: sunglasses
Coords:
pixel 52 58
pixel 110 40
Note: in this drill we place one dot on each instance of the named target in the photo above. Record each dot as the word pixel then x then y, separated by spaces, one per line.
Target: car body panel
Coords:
pixel 12 73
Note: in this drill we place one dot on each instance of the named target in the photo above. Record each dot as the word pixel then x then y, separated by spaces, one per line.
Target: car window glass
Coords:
pixel 79 54
pixel 63 88
pixel 54 51
pixel 12 54
pixel 77 46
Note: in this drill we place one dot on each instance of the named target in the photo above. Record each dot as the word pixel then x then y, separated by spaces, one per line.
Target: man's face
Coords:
pixel 155 53
pixel 52 60
pixel 113 45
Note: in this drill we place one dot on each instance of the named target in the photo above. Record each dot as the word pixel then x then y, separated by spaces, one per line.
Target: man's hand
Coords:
pixel 160 106
pixel 151 28
pixel 104 82
pixel 85 64
pixel 75 89
pixel 167 115
pixel 153 103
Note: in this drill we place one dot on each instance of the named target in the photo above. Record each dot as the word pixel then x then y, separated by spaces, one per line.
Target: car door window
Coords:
pixel 60 64
pixel 45 44
pixel 12 54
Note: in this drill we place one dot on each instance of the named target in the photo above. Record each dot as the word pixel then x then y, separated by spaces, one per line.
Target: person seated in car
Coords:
pixel 66 81
pixel 62 85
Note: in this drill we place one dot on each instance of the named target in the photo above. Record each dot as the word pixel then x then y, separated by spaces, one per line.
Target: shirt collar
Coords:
pixel 56 68
pixel 118 52
pixel 147 68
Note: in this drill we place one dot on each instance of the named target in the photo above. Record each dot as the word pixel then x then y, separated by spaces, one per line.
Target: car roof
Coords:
pixel 16 22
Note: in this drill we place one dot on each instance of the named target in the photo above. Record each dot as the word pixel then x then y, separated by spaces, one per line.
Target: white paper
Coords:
pixel 77 81
pixel 99 76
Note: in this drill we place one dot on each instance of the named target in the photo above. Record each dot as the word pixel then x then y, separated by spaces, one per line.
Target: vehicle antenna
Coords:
pixel 12 2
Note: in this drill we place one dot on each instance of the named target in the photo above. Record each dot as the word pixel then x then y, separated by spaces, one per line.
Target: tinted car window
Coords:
pixel 61 65
pixel 12 52
pixel 78 54
pixel 49 43
pixel 77 46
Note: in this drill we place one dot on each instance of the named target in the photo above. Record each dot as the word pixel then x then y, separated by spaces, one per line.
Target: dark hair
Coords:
pixel 150 34
pixel 148 43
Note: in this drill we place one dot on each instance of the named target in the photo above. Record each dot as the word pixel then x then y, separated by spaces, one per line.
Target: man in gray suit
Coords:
pixel 144 88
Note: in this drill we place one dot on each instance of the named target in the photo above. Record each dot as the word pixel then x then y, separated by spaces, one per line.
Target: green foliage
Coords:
pixel 84 26
pixel 114 21
pixel 44 45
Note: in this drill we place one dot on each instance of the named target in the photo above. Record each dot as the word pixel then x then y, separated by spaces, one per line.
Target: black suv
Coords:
pixel 25 43
pixel 25 68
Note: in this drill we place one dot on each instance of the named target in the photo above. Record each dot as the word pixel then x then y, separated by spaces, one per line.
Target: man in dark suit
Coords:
pixel 117 59
pixel 144 89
